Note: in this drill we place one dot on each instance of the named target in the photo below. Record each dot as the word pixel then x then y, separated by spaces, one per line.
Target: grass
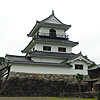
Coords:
pixel 41 98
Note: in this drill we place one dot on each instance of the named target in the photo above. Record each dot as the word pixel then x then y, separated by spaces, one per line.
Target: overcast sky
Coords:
pixel 18 17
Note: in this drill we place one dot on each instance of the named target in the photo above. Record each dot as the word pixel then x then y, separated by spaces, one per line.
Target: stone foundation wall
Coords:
pixel 25 84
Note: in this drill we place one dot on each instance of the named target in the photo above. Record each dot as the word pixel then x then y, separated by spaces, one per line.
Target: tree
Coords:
pixel 93 64
pixel 2 59
pixel 91 73
pixel 98 95
pixel 79 78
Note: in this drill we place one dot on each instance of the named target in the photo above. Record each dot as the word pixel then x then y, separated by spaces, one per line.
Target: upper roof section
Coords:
pixel 51 21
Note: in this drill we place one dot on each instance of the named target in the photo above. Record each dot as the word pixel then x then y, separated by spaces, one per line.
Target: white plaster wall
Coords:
pixel 48 69
pixel 47 60
pixel 46 30
pixel 54 48
pixel 85 68
pixel 40 69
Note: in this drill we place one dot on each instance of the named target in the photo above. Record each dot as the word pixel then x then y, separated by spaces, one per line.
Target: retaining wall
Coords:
pixel 26 84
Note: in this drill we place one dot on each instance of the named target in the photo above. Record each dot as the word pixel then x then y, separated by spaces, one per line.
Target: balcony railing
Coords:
pixel 57 35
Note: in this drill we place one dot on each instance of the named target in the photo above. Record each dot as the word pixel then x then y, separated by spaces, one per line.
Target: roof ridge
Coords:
pixel 50 17
pixel 14 55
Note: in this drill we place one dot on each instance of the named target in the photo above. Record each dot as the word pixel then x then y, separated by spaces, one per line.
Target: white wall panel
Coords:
pixel 40 69
pixel 54 48
pixel 50 69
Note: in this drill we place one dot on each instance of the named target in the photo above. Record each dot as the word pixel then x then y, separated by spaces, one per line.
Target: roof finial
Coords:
pixel 52 12
pixel 80 52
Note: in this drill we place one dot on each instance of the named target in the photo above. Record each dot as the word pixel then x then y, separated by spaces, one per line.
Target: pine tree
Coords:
pixel 79 78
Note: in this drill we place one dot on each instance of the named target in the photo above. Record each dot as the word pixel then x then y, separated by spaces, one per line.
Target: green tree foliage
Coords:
pixel 98 95
pixel 92 65
pixel 2 59
pixel 79 78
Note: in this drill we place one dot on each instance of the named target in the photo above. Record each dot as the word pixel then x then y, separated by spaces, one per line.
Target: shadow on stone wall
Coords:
pixel 22 84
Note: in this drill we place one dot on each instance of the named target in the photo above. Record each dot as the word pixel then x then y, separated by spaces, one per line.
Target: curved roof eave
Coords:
pixel 63 26
pixel 64 44
pixel 34 29
pixel 55 41
pixel 28 47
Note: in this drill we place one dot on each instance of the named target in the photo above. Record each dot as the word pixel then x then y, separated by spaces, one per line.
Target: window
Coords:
pixel 52 33
pixel 79 67
pixel 60 49
pixel 33 49
pixel 47 48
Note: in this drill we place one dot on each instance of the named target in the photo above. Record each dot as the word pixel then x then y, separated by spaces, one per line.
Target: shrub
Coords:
pixel 98 95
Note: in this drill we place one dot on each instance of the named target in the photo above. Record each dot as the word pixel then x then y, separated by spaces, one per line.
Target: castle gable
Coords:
pixel 53 20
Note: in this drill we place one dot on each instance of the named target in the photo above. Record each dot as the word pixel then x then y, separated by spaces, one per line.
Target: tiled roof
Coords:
pixel 61 41
pixel 53 15
pixel 51 54
pixel 25 60
pixel 53 24
pixel 50 17
pixel 12 58
pixel 56 41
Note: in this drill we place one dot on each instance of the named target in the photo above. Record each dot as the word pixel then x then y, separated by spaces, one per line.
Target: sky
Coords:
pixel 18 17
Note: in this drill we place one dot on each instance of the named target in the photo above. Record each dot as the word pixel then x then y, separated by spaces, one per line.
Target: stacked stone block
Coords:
pixel 26 84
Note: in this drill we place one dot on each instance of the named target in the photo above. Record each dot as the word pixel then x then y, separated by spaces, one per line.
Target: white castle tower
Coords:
pixel 49 51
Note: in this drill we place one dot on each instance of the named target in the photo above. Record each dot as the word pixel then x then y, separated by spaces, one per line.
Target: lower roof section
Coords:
pixel 27 61
pixel 67 58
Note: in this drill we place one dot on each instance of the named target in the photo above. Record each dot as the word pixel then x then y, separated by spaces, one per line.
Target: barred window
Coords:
pixel 60 49
pixel 78 67
pixel 47 48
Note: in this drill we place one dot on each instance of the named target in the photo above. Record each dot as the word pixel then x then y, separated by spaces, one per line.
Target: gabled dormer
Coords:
pixel 51 27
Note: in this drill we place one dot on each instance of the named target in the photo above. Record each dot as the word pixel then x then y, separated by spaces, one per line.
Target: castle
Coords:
pixel 49 66
pixel 49 51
